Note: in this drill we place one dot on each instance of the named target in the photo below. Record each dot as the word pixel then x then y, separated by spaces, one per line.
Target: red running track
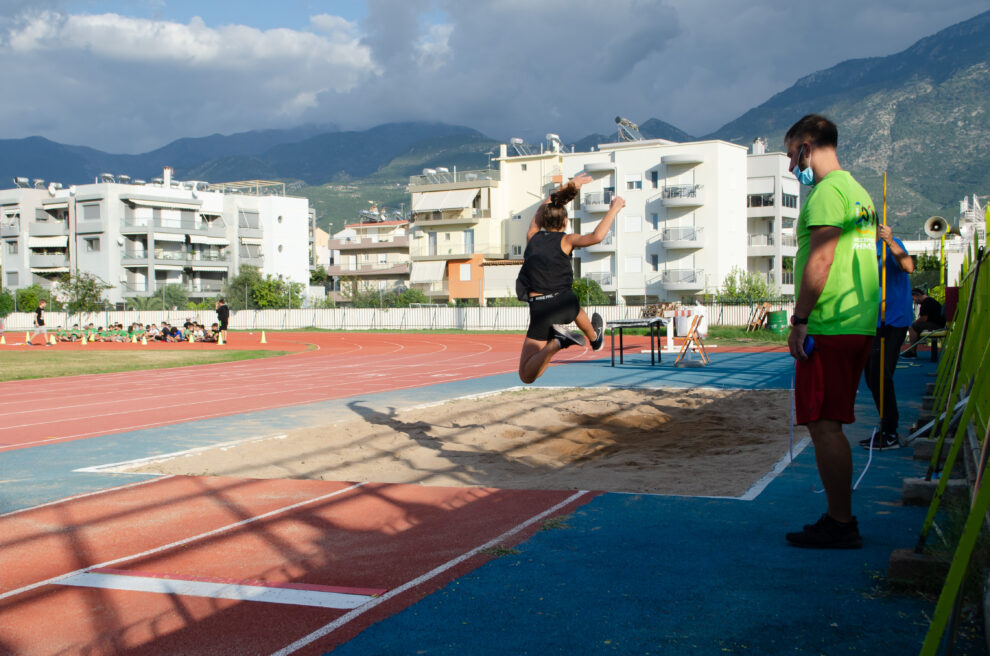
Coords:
pixel 403 540
pixel 47 410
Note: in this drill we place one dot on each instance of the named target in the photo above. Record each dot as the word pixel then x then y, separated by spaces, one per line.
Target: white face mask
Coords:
pixel 805 176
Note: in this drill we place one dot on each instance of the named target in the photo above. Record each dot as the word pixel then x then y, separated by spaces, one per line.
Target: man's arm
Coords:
pixel 904 261
pixel 824 239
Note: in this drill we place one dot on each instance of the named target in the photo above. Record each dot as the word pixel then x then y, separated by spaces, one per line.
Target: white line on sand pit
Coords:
pixel 178 543
pixel 125 466
pixel 433 573
pixel 218 590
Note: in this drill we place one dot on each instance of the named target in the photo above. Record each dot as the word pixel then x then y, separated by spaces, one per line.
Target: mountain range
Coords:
pixel 920 115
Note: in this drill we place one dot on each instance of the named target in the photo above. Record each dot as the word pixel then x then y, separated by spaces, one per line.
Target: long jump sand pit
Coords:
pixel 670 441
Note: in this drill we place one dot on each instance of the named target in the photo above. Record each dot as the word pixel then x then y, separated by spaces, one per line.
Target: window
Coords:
pixel 91 212
pixel 248 220
pixel 634 182
pixel 655 262
pixel 655 179
pixel 790 200
pixel 382 258
pixel 517 250
pixel 279 218
pixel 364 257
pixel 446 236
pixel 633 224
pixel 759 200
pixel 517 217
pixel 465 272
pixel 280 248
pixel 92 244
pixel 655 221
pixel 523 167
pixel 11 248
pixel 12 279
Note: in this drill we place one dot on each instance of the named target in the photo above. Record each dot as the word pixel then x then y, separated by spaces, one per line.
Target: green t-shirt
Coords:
pixel 851 298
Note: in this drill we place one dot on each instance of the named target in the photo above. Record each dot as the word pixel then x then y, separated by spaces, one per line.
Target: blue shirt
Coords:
pixel 900 307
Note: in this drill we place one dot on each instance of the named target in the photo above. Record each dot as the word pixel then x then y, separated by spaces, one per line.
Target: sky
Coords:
pixel 129 76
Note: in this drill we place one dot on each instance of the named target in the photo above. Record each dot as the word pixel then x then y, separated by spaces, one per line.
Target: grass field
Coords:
pixel 50 363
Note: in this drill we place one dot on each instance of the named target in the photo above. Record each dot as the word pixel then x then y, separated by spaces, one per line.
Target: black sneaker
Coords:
pixel 881 442
pixel 827 533
pixel 598 325
pixel 566 338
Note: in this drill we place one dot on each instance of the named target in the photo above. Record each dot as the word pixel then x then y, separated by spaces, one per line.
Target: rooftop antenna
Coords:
pixel 628 131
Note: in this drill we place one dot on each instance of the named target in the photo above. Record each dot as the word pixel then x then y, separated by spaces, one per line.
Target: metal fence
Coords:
pixel 419 318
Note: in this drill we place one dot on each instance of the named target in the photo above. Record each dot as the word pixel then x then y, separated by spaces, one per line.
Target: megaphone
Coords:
pixel 937 227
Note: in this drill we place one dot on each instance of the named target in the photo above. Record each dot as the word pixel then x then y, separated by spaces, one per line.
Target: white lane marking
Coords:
pixel 433 573
pixel 178 543
pixel 218 590
pixel 155 477
pixel 125 466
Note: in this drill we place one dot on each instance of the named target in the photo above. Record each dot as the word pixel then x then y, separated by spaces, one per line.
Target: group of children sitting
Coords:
pixel 190 331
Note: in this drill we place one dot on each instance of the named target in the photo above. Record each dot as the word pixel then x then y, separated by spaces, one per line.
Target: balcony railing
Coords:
pixel 48 228
pixel 455 176
pixel 190 256
pixel 396 268
pixel 788 240
pixel 761 240
pixel 368 243
pixel 175 224
pixel 597 201
pixel 603 279
pixel 682 191
pixel 787 278
pixel 10 227
pixel 684 278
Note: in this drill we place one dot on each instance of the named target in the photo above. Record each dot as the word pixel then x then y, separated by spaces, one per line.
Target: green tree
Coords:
pixel 506 301
pixel 589 292
pixel 409 296
pixel 174 296
pixel 319 277
pixel 144 303
pixel 239 292
pixel 744 287
pixel 84 292
pixel 927 272
pixel 6 302
pixel 275 292
pixel 28 298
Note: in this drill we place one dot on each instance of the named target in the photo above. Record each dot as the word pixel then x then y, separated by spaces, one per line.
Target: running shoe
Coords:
pixel 566 338
pixel 598 325
pixel 828 533
pixel 882 442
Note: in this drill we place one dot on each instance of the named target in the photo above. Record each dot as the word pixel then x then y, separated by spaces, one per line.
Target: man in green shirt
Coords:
pixel 835 273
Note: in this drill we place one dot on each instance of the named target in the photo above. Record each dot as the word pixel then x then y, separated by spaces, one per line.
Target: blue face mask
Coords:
pixel 805 176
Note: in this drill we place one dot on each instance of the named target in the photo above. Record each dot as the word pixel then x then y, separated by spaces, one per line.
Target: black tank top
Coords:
pixel 546 268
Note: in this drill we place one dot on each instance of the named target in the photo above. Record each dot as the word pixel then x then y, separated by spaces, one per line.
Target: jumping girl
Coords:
pixel 546 277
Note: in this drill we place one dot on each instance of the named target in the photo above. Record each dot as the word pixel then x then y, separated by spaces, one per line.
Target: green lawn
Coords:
pixel 51 363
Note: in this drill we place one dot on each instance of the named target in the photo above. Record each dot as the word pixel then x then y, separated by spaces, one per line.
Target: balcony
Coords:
pixel 210 287
pixel 466 216
pixel 190 256
pixel 686 159
pixel 674 238
pixel 788 241
pixel 606 245
pixel 90 226
pixel 683 279
pixel 605 280
pixel 368 244
pixel 134 257
pixel 597 201
pixel 48 228
pixel 136 288
pixel 761 246
pixel 10 227
pixel 143 224
pixel 370 270
pixel 683 196
pixel 48 260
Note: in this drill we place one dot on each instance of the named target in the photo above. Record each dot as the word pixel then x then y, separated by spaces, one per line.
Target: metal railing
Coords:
pixel 603 279
pixel 682 191
pixel 681 234
pixel 175 224
pixel 190 256
pixel 788 240
pixel 761 240
pixel 673 276
pixel 597 198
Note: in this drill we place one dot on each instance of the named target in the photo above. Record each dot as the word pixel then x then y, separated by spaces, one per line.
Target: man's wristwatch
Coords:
pixel 798 321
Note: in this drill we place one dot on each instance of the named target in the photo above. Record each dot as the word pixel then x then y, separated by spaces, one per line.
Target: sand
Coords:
pixel 696 442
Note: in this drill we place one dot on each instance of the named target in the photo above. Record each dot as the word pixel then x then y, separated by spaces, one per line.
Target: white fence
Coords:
pixel 421 318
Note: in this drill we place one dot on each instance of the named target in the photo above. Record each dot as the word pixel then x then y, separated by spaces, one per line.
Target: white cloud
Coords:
pixel 506 67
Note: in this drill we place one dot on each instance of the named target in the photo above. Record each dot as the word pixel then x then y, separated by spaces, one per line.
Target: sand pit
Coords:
pixel 670 441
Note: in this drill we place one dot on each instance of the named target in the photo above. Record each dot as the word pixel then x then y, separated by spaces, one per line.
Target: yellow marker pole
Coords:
pixel 263 340
pixel 3 340
pixel 883 308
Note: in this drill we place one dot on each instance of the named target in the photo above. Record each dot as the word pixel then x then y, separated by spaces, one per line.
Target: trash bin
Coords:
pixel 778 321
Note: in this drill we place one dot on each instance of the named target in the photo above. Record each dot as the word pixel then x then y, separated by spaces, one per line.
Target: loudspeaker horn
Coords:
pixel 936 227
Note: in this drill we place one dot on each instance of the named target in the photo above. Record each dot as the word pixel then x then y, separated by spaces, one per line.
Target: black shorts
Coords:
pixel 223 325
pixel 544 311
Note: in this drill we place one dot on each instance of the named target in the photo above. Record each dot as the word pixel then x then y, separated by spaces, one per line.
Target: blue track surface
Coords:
pixel 629 574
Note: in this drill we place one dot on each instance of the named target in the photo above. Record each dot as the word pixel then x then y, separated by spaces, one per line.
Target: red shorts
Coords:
pixel 825 384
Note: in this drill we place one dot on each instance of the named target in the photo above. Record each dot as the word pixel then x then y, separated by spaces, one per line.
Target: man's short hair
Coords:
pixel 814 128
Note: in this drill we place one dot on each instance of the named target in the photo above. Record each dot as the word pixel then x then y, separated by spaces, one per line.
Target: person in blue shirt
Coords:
pixel 892 326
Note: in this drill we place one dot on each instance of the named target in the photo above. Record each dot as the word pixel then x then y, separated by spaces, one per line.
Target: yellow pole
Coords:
pixel 941 268
pixel 883 308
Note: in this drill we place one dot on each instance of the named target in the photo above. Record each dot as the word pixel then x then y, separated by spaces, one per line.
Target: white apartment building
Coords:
pixel 140 237
pixel 773 198
pixel 369 256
